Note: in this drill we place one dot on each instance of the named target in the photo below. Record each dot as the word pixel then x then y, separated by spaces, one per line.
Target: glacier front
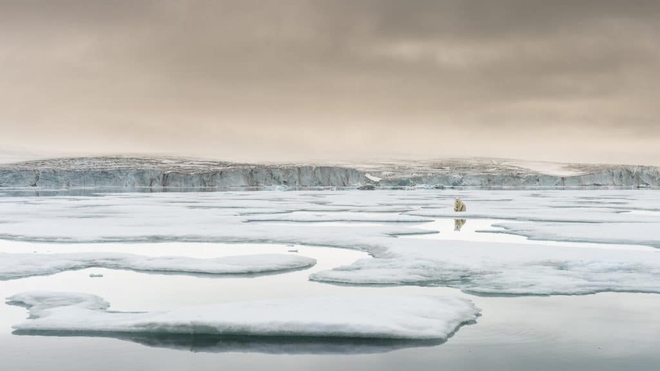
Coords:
pixel 164 173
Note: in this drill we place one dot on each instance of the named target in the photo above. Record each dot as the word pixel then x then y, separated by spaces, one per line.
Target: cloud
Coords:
pixel 333 79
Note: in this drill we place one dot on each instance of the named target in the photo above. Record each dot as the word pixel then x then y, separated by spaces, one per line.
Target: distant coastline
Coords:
pixel 160 173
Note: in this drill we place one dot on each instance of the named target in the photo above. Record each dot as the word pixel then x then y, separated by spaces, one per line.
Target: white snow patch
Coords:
pixel 378 317
pixel 373 178
pixel 548 168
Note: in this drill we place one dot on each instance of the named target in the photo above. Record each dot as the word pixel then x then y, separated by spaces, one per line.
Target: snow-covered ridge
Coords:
pixel 159 173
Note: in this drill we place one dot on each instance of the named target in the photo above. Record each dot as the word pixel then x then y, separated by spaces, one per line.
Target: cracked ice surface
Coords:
pixel 605 217
pixel 338 217
pixel 505 269
pixel 377 317
pixel 14 266
pixel 619 233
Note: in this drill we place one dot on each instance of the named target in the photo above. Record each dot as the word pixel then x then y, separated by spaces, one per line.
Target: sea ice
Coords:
pixel 505 268
pixel 377 317
pixel 306 217
pixel 605 217
pixel 14 266
pixel 615 233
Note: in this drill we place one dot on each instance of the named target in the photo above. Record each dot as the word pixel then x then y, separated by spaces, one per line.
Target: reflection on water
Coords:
pixel 252 344
pixel 458 224
pixel 135 291
pixel 514 333
pixel 518 333
pixel 482 230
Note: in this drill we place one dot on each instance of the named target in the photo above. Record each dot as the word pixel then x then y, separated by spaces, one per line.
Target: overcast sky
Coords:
pixel 293 80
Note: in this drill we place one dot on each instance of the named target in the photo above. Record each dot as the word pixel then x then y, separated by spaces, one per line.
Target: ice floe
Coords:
pixel 615 233
pixel 14 266
pixel 486 267
pixel 505 268
pixel 374 317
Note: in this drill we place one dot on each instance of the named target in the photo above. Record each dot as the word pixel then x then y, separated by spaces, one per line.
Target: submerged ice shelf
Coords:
pixel 375 317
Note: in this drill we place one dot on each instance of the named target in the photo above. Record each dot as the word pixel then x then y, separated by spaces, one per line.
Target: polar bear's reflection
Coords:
pixel 458 224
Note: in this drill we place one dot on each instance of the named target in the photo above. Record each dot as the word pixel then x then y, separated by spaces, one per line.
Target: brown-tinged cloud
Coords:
pixel 333 79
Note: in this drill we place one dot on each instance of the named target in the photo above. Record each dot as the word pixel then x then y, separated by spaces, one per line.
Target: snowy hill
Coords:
pixel 159 173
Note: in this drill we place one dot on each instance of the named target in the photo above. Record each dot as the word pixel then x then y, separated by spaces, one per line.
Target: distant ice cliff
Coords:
pixel 159 173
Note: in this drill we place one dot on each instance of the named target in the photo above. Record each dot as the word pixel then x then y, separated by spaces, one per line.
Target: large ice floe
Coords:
pixel 14 266
pixel 374 317
pixel 505 268
pixel 605 217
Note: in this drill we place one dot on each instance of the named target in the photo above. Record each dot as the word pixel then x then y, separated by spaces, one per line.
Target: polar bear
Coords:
pixel 459 205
